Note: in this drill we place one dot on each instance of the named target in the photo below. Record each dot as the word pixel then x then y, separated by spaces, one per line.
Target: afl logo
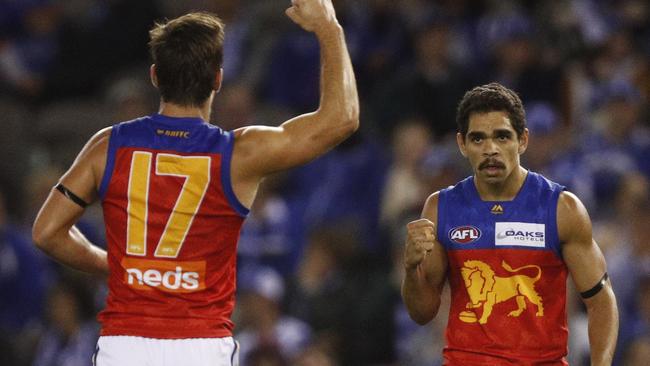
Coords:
pixel 464 234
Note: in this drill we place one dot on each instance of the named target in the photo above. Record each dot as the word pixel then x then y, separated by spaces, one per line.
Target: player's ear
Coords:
pixel 460 140
pixel 153 76
pixel 523 141
pixel 218 80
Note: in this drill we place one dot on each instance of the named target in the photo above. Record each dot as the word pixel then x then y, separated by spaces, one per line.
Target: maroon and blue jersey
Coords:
pixel 172 225
pixel 507 276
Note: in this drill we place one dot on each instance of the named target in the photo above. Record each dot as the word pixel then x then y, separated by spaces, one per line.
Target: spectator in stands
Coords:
pixel 71 334
pixel 24 277
pixel 265 238
pixel 405 185
pixel 267 331
pixel 26 60
pixel 430 87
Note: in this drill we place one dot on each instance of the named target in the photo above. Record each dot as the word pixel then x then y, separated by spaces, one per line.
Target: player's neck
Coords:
pixel 502 191
pixel 175 110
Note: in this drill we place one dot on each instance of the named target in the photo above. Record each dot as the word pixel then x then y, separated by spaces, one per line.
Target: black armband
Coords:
pixel 71 196
pixel 596 289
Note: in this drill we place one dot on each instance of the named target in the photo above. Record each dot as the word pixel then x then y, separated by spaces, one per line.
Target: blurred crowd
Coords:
pixel 320 254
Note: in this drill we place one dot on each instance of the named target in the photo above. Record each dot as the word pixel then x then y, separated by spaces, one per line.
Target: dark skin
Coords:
pixel 493 149
pixel 258 150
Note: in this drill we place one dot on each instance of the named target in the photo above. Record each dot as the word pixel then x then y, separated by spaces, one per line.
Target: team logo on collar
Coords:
pixel 464 234
pixel 497 209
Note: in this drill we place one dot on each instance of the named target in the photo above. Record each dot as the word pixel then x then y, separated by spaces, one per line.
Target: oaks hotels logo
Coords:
pixel 168 276
pixel 520 234
pixel 464 234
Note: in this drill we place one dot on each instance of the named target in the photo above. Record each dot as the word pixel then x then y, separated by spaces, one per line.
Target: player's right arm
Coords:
pixel 54 231
pixel 260 151
pixel 425 264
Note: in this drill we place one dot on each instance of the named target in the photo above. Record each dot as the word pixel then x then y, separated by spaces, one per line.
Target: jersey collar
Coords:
pixel 177 121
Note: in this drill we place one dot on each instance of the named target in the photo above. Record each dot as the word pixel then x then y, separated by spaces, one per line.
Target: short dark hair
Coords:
pixel 187 52
pixel 489 98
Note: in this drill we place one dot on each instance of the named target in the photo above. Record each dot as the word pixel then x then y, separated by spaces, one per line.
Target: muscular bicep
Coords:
pixel 262 150
pixel 435 264
pixel 582 255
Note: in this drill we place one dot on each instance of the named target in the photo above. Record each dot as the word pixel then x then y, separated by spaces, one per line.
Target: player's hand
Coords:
pixel 312 15
pixel 419 242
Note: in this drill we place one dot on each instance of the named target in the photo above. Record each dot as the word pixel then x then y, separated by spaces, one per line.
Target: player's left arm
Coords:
pixel 54 231
pixel 588 270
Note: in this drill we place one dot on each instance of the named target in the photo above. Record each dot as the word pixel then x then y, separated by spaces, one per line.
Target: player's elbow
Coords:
pixel 39 237
pixel 353 122
pixel 349 121
pixel 422 318
pixel 336 127
pixel 351 117
pixel 421 312
pixel 350 126
pixel 343 116
pixel 42 235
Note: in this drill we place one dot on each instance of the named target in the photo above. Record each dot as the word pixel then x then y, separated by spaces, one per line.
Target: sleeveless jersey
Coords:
pixel 507 276
pixel 172 225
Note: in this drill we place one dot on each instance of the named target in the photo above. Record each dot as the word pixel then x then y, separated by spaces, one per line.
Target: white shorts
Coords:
pixel 139 351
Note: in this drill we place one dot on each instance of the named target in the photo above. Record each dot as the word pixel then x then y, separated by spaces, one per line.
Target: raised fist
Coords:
pixel 419 242
pixel 312 15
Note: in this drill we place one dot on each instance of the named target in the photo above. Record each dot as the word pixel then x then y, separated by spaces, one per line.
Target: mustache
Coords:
pixel 491 163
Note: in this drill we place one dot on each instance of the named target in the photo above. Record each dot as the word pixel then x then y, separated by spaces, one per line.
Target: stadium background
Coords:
pixel 320 253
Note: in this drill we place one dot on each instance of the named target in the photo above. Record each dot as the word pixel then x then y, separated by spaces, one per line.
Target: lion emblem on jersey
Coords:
pixel 485 290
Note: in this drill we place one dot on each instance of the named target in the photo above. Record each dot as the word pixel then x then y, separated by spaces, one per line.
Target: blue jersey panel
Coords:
pixel 182 135
pixel 186 135
pixel 527 222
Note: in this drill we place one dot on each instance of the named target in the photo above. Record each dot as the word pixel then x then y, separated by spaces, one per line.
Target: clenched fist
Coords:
pixel 419 242
pixel 312 15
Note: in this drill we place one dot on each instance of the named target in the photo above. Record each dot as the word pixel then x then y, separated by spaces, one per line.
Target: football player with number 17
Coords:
pixel 175 191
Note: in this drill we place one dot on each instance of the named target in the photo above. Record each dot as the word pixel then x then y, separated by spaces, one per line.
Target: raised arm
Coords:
pixel 588 268
pixel 260 150
pixel 425 263
pixel 54 231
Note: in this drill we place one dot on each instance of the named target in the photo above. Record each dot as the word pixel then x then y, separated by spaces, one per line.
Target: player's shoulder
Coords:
pixel 430 210
pixel 572 217
pixel 459 188
pixel 433 198
pixel 132 125
pixel 99 141
pixel 545 182
pixel 568 203
pixel 253 138
pixel 103 135
pixel 248 133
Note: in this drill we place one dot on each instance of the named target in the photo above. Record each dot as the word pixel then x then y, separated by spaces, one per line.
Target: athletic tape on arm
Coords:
pixel 596 289
pixel 71 196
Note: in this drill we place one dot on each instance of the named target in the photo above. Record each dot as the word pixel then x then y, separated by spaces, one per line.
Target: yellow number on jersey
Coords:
pixel 136 222
pixel 195 170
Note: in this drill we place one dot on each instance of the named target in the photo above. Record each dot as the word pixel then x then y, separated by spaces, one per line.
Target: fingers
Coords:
pixel 292 13
pixel 420 241
pixel 312 15
pixel 419 223
pixel 422 229
pixel 426 245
